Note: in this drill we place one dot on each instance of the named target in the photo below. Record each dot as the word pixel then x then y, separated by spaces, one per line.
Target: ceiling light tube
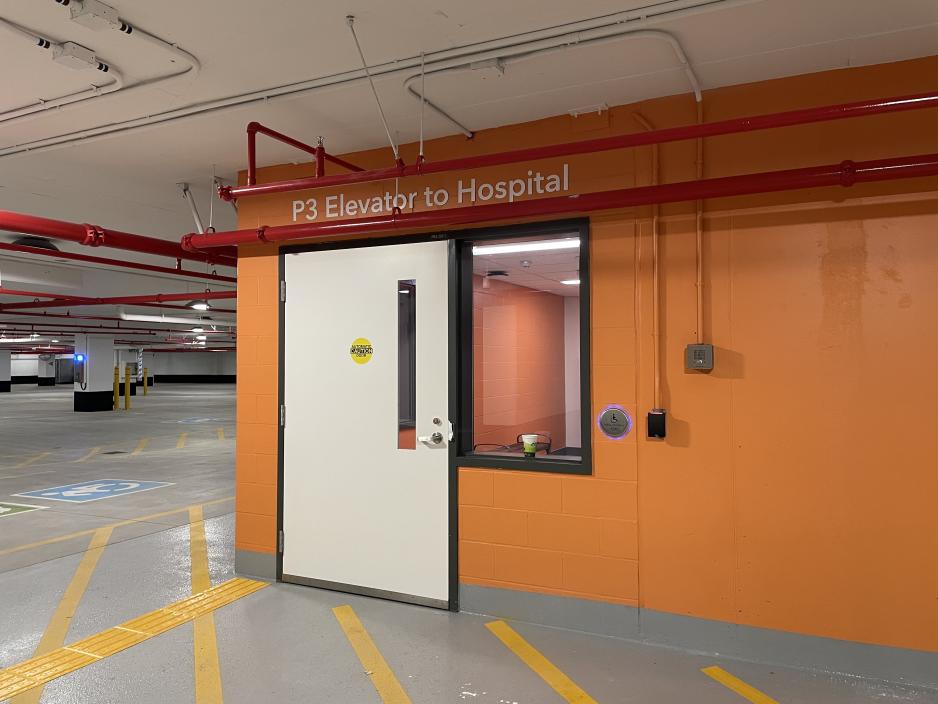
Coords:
pixel 571 282
pixel 544 246
pixel 196 322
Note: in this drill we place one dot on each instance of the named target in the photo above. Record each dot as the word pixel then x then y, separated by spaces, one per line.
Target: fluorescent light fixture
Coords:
pixel 571 282
pixel 55 340
pixel 543 246
pixel 201 337
pixel 404 291
pixel 143 318
pixel 200 304
pixel 197 330
pixel 15 339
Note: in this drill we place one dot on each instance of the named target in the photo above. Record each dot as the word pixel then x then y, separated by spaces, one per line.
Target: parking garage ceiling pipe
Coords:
pixel 59 300
pixel 644 17
pixel 72 256
pixel 96 236
pixel 790 118
pixel 179 56
pixel 846 174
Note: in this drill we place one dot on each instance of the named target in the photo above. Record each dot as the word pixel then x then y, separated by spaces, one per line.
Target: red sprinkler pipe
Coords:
pixel 146 299
pixel 844 174
pixel 319 152
pixel 96 236
pixel 671 134
pixel 72 256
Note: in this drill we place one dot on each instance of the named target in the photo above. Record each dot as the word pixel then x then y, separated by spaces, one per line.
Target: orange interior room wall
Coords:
pixel 518 370
pixel 794 489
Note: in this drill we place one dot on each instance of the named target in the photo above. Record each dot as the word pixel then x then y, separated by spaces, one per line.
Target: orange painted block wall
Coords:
pixel 795 488
pixel 518 363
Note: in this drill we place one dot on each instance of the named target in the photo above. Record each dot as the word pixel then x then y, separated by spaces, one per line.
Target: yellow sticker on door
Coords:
pixel 361 351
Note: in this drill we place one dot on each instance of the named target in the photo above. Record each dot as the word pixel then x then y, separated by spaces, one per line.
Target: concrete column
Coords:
pixel 46 371
pixel 4 370
pixel 97 393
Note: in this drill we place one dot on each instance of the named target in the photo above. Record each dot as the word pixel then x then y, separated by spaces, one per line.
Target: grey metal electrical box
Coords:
pixel 698 357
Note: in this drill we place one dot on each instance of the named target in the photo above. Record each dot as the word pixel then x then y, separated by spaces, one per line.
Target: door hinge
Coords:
pixel 283 291
pixel 283 416
pixel 280 541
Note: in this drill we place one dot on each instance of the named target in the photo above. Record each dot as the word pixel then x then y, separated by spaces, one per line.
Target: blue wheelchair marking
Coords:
pixel 93 490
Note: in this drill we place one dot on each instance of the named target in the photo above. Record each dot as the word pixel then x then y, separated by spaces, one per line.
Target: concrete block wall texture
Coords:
pixel 518 363
pixel 795 488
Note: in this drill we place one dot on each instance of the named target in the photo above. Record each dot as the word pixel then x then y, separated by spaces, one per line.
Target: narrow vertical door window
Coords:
pixel 407 364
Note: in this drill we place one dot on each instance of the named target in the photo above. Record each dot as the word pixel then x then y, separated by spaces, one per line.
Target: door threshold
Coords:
pixel 366 591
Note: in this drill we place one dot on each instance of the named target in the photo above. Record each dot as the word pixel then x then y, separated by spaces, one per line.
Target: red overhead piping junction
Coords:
pixel 671 134
pixel 95 236
pixel 113 262
pixel 844 174
pixel 146 299
pixel 318 152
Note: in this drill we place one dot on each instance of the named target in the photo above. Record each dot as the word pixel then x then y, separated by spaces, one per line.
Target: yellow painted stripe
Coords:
pixel 221 433
pixel 141 446
pixel 91 453
pixel 32 460
pixel 41 670
pixel 746 691
pixel 376 667
pixel 207 670
pixel 119 524
pixel 530 656
pixel 57 629
pixel 181 442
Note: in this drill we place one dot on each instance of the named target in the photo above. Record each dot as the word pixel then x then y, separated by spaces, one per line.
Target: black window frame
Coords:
pixel 462 350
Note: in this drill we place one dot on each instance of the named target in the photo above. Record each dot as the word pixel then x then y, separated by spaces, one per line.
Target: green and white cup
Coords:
pixel 529 443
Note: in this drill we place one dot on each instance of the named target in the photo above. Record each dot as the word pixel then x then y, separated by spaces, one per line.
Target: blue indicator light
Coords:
pixel 80 357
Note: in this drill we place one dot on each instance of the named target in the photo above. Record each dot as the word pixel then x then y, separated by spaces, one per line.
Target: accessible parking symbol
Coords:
pixel 94 490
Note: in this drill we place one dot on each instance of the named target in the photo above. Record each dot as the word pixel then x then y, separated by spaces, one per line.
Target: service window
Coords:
pixel 525 345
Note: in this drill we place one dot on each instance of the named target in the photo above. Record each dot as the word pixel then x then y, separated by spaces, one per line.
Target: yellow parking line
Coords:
pixel 141 446
pixel 91 453
pixel 57 629
pixel 207 671
pixel 130 521
pixel 221 433
pixel 181 442
pixel 746 691
pixel 530 656
pixel 376 667
pixel 32 460
pixel 41 670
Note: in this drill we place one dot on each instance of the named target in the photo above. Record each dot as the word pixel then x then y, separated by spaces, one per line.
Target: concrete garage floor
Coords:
pixel 282 643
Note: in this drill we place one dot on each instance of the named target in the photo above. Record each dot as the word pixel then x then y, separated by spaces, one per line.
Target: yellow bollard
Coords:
pixel 117 388
pixel 144 381
pixel 127 388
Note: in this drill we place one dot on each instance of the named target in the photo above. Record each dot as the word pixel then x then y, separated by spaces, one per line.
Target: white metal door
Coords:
pixel 360 514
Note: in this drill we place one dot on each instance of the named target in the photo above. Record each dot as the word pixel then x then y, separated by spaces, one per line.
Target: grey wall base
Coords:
pixel 256 564
pixel 913 667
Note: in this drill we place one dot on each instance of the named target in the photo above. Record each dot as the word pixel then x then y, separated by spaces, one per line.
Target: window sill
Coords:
pixel 524 464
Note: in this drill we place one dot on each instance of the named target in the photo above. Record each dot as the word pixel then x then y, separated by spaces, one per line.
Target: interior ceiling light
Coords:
pixel 144 318
pixel 197 330
pixel 199 304
pixel 201 337
pixel 547 245
pixel 571 282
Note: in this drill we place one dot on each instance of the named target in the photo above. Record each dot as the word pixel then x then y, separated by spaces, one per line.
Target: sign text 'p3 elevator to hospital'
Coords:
pixel 468 191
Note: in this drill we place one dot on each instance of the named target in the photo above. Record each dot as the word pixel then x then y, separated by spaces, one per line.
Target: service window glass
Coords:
pixel 529 360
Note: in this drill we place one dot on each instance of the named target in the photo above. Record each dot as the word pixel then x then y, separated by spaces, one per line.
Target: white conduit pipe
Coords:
pixel 675 9
pixel 94 91
pixel 559 43
pixel 191 64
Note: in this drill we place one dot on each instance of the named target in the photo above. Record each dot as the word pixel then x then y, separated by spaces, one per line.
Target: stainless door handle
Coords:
pixel 434 439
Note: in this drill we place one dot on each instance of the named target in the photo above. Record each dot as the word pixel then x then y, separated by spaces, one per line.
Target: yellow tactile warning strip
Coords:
pixel 530 656
pixel 207 670
pixel 57 629
pixel 746 691
pixel 41 670
pixel 376 667
pixel 119 524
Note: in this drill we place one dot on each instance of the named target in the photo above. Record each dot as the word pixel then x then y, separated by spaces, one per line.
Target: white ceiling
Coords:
pixel 538 270
pixel 127 180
